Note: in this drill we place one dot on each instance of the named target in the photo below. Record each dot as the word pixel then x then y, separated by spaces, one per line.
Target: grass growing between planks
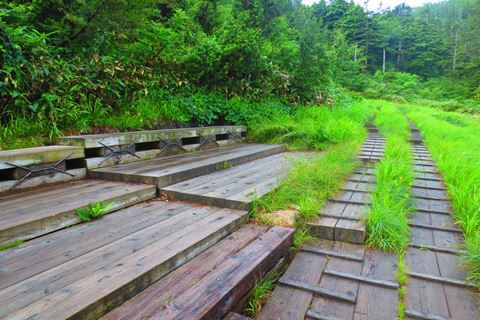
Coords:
pixel 387 219
pixel 453 141
pixel 12 244
pixel 338 133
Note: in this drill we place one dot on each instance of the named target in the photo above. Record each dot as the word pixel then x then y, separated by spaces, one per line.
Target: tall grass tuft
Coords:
pixel 387 219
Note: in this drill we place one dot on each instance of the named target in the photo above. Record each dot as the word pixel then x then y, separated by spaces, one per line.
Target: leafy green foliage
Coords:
pixel 94 211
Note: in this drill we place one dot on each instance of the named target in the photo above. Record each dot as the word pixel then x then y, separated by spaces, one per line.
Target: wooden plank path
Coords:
pixel 174 169
pixel 436 287
pixel 29 214
pixel 87 270
pixel 336 280
pixel 341 218
pixel 235 187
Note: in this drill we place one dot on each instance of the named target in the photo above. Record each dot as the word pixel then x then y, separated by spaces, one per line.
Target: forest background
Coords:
pixel 83 66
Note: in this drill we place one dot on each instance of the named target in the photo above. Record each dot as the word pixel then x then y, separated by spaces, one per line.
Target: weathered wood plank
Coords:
pixel 30 156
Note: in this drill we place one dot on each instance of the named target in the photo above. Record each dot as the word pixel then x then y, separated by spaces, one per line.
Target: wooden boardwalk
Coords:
pixel 235 187
pixel 341 219
pixel 333 280
pixel 336 280
pixel 436 287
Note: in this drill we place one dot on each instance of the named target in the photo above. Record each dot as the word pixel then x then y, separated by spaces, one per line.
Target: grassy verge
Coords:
pixel 453 141
pixel 338 133
pixel 387 222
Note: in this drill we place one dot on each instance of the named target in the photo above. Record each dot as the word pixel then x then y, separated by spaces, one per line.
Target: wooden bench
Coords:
pixel 26 168
pixel 109 149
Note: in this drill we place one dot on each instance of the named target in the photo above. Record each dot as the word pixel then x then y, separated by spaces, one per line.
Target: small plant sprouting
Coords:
pixel 94 211
pixel 10 245
pixel 226 165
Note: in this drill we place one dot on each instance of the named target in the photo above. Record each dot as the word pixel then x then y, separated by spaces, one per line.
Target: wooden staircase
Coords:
pixel 198 257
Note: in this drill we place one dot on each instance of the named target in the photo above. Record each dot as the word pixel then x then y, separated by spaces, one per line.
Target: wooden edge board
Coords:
pixel 430 197
pixel 317 290
pixel 435 248
pixel 382 283
pixel 455 282
pixel 351 201
pixel 423 316
pixel 326 215
pixel 434 211
pixel 432 227
pixel 428 188
pixel 331 253
pixel 318 316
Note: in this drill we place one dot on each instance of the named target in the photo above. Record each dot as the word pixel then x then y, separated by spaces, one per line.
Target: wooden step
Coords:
pixel 29 214
pixel 236 187
pixel 85 271
pixel 109 149
pixel 31 167
pixel 210 285
pixel 174 169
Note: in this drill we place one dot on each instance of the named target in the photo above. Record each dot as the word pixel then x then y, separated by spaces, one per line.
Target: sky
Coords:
pixel 374 4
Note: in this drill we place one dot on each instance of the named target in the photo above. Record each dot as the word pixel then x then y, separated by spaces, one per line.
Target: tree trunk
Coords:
pixel 355 54
pixel 399 53
pixel 454 64
pixel 383 65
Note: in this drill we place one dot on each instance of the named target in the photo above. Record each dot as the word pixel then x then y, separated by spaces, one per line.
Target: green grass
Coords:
pixel 338 132
pixel 402 279
pixel 260 293
pixel 454 143
pixel 11 245
pixel 387 219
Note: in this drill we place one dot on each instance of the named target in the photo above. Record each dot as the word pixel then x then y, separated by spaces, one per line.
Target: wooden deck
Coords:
pixel 89 269
pixel 174 169
pixel 235 187
pixel 29 214
pixel 437 288
pixel 208 286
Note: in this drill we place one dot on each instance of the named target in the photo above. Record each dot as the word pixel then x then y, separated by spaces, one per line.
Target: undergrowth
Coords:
pixel 452 140
pixel 387 219
pixel 260 293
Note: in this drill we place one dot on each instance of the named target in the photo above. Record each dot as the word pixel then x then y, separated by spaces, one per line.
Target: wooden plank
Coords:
pixel 463 303
pixel 381 283
pixel 426 297
pixel 236 316
pixel 323 228
pixel 123 138
pixel 41 254
pixel 30 156
pixel 423 316
pixel 435 248
pixel 32 288
pixel 291 303
pixel 11 185
pixel 331 253
pixel 218 291
pixel 349 231
pixel 129 275
pixel 450 281
pixel 43 213
pixel 173 285
pixel 318 290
